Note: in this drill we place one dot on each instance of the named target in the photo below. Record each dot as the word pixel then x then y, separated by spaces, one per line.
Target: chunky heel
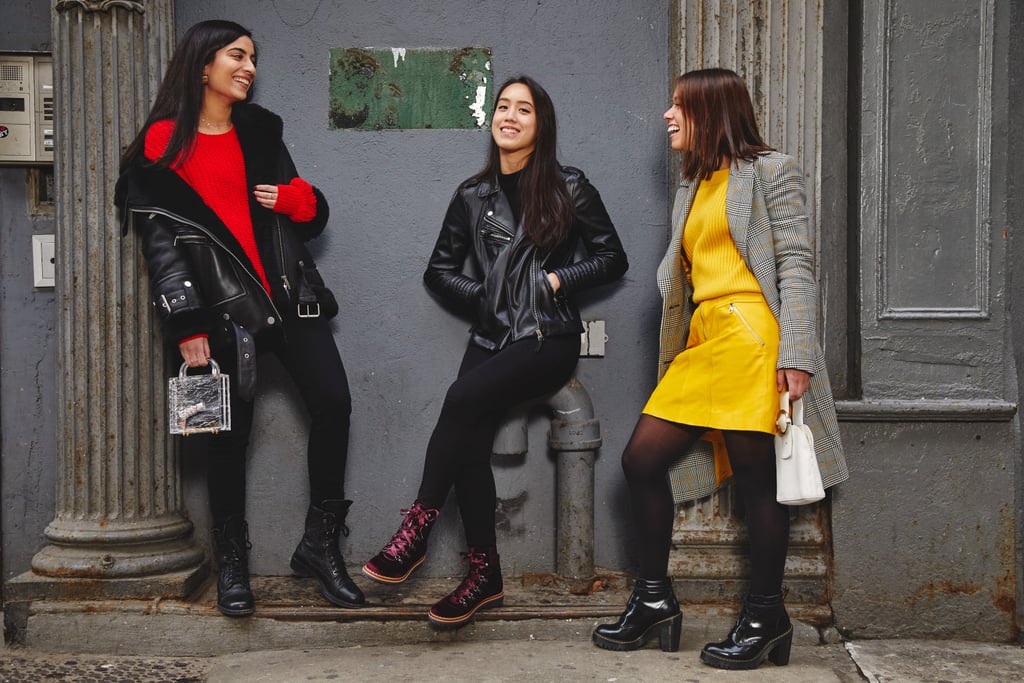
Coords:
pixel 652 611
pixel 780 655
pixel 670 632
pixel 762 632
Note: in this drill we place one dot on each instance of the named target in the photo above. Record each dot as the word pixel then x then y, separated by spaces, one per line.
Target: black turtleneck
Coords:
pixel 509 183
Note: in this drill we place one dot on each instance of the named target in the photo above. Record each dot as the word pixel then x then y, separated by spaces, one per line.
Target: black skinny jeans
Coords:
pixel 310 356
pixel 459 451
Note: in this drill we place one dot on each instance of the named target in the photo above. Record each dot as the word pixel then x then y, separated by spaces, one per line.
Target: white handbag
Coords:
pixel 797 477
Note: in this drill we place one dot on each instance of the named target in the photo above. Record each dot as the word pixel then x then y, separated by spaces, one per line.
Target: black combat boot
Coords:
pixel 318 555
pixel 482 588
pixel 763 631
pixel 652 610
pixel 231 545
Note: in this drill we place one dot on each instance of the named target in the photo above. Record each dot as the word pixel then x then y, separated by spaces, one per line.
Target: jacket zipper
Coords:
pixel 496 230
pixel 200 228
pixel 736 312
pixel 284 266
pixel 533 299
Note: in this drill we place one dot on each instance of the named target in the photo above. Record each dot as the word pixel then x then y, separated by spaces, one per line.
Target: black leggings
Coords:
pixel 311 358
pixel 459 451
pixel 655 445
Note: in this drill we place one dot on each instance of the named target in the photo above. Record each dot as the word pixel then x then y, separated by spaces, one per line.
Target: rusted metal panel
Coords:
pixel 376 89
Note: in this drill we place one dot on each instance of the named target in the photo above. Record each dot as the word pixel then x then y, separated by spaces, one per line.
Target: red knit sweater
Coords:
pixel 216 171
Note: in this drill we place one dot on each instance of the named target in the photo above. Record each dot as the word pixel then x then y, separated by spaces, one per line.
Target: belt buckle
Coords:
pixel 306 310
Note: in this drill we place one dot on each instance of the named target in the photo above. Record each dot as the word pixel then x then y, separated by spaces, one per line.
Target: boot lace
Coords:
pixel 417 519
pixel 473 584
pixel 234 561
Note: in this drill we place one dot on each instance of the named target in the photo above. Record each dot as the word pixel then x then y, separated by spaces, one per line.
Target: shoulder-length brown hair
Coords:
pixel 717 103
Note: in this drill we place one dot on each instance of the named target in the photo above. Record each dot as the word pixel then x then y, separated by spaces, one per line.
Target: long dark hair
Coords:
pixel 547 209
pixel 181 93
pixel 717 103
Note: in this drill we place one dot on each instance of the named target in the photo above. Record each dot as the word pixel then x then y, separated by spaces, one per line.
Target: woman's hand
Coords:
pixel 796 381
pixel 196 352
pixel 266 195
pixel 554 282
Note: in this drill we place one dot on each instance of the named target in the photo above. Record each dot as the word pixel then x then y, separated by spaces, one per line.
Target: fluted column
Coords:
pixel 119 504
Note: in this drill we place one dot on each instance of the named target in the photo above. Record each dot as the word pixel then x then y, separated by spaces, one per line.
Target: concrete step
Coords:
pixel 290 613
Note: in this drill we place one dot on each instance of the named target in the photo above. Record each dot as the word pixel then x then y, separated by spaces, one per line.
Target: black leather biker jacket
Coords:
pixel 201 280
pixel 506 285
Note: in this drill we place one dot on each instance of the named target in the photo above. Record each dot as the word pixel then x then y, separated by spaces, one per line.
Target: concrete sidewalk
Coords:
pixel 541 634
pixel 564 661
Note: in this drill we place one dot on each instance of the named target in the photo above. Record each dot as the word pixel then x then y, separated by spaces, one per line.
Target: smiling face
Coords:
pixel 230 75
pixel 680 127
pixel 514 126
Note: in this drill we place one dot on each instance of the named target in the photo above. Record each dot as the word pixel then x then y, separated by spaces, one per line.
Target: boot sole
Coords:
pixel 300 569
pixel 381 578
pixel 669 641
pixel 236 612
pixel 768 652
pixel 444 622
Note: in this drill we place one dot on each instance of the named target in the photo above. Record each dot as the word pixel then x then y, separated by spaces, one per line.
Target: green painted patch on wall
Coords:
pixel 377 89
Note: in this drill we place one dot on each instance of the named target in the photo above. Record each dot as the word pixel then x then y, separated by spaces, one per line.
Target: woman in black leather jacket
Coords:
pixel 222 216
pixel 517 223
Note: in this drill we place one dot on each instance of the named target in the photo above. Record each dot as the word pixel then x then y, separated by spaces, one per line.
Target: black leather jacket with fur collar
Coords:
pixel 200 278
pixel 506 286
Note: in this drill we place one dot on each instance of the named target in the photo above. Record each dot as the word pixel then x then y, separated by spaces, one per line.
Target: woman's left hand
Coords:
pixel 796 381
pixel 266 195
pixel 554 282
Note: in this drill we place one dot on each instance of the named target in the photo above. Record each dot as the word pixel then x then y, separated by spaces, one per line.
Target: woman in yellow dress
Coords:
pixel 738 327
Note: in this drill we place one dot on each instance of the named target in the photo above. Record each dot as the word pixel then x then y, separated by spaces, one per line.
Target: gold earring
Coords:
pixel 206 79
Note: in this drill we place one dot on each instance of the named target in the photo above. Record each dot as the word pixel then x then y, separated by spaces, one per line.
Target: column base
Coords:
pixel 31 586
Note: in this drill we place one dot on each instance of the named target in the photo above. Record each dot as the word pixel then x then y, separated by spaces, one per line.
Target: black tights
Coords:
pixel 459 452
pixel 654 446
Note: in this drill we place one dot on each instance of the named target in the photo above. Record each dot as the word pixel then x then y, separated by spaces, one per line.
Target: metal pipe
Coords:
pixel 576 435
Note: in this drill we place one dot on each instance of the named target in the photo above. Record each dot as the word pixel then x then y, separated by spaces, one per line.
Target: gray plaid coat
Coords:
pixel 765 205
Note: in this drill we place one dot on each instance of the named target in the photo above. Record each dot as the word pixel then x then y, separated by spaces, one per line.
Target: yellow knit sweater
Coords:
pixel 713 262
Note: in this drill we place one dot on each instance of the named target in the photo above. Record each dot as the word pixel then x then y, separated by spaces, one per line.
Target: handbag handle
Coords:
pixel 789 415
pixel 214 369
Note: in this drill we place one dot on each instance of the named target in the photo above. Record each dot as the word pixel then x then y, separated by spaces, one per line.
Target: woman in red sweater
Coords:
pixel 222 216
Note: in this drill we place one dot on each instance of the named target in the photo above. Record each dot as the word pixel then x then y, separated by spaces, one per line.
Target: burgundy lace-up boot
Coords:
pixel 482 588
pixel 407 548
pixel 762 632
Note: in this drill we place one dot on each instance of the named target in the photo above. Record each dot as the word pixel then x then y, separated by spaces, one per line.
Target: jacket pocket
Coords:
pixel 221 281
pixel 494 231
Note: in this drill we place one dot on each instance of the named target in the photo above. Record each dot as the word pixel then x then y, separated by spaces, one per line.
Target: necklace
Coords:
pixel 215 126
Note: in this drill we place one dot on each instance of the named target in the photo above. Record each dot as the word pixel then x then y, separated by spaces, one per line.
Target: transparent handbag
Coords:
pixel 199 403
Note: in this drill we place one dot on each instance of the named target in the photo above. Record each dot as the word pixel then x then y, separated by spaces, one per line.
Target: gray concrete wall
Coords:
pixel 605 66
pixel 926 531
pixel 27 340
pixel 1015 280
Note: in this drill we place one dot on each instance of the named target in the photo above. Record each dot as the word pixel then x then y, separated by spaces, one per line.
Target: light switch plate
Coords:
pixel 44 260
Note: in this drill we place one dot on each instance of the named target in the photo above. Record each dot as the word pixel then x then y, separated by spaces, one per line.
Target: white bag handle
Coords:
pixel 789 415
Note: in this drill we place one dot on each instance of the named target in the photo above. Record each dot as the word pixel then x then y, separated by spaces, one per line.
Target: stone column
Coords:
pixel 119 504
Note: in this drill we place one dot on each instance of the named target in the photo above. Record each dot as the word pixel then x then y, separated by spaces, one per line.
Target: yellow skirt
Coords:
pixel 725 378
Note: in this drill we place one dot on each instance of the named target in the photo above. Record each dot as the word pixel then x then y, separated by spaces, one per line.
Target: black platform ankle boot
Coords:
pixel 652 610
pixel 231 545
pixel 763 631
pixel 318 555
pixel 481 589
